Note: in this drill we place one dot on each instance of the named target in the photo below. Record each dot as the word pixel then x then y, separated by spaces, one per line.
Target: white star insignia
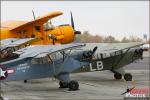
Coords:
pixel 2 73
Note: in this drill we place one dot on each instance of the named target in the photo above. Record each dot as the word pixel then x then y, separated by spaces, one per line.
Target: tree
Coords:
pixel 125 40
pixel 97 39
pixel 135 39
pixel 88 38
pixel 110 39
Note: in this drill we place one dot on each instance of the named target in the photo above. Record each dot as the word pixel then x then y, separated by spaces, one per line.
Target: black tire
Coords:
pixel 63 84
pixel 128 77
pixel 1 98
pixel 73 85
pixel 117 76
pixel 25 81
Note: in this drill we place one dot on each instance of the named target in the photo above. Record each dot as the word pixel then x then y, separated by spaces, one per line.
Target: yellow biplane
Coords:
pixel 40 27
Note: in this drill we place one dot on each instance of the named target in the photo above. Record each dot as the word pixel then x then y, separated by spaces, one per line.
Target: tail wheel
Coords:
pixel 117 76
pixel 73 85
pixel 63 84
pixel 128 77
pixel 25 81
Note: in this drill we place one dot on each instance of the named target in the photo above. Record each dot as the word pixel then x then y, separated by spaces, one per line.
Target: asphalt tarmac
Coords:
pixel 93 85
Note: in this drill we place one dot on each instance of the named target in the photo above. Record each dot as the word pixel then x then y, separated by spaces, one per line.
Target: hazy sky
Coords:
pixel 116 18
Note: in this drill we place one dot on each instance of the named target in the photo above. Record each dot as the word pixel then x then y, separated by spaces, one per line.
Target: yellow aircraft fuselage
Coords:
pixel 21 29
pixel 64 34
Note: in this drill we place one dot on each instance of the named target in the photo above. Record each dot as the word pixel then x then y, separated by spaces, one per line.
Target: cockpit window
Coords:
pixel 57 57
pixel 48 25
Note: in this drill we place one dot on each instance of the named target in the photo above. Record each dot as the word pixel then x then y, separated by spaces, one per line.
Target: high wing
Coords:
pixel 39 21
pixel 37 50
pixel 14 42
pixel 112 47
pixel 109 49
pixel 43 50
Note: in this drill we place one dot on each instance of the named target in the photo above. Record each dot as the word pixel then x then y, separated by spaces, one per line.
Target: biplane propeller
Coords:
pixel 54 38
pixel 72 24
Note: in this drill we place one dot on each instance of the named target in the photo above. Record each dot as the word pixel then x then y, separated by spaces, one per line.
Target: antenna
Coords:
pixel 33 14
pixel 33 35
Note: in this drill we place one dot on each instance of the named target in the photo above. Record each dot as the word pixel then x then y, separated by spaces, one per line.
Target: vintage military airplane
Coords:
pixel 40 27
pixel 60 60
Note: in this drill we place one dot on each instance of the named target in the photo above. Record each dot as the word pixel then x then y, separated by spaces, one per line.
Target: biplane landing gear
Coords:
pixel 63 84
pixel 73 85
pixel 128 77
pixel 25 81
pixel 117 76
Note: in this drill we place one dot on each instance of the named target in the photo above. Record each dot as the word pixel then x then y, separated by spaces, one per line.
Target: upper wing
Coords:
pixel 43 50
pixel 38 21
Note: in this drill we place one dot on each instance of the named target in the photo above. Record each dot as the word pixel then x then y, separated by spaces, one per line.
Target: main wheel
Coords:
pixel 128 77
pixel 63 84
pixel 117 76
pixel 1 98
pixel 73 85
pixel 25 81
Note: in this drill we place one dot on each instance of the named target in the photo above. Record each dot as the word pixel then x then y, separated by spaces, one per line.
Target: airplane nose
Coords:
pixel 90 53
pixel 139 52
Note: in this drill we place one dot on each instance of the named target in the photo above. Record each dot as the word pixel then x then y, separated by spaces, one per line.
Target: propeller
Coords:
pixel 94 50
pixel 72 21
pixel 90 53
pixel 51 36
pixel 72 24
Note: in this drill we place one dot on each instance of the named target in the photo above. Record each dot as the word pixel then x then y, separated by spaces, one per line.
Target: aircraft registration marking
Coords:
pixel 99 66
pixel 23 67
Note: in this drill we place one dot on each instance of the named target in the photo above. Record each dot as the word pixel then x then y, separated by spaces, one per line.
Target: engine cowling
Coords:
pixel 89 54
pixel 139 52
pixel 63 34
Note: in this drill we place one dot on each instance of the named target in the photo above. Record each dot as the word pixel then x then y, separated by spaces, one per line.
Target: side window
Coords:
pixel 41 60
pixel 57 57
pixel 37 28
pixel 35 61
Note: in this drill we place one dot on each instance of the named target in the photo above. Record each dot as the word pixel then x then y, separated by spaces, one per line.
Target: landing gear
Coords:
pixel 25 81
pixel 63 84
pixel 128 77
pixel 117 76
pixel 73 85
